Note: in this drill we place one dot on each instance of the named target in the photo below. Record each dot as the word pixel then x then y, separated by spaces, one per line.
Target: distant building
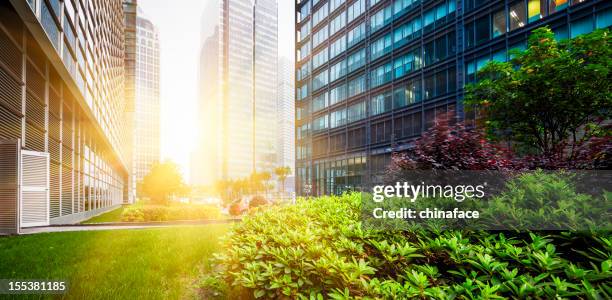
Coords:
pixel 373 75
pixel 286 119
pixel 237 106
pixel 147 101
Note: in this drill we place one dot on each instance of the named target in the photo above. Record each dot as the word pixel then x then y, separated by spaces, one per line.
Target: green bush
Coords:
pixel 318 249
pixel 177 212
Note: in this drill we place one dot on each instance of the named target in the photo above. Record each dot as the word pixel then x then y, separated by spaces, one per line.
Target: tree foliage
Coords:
pixel 552 98
pixel 163 181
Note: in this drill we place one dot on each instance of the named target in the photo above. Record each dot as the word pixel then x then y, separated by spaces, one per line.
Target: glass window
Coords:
pixel 499 23
pixel 557 5
pixel 319 36
pixel 319 102
pixel 320 123
pixel 356 112
pixel 355 10
pixel 380 103
pixel 604 18
pixel 381 75
pixel 304 11
pixel 516 15
pixel 320 58
pixel 337 23
pixel 337 47
pixel 319 15
pixel 381 46
pixel 320 80
pixel 337 94
pixel 356 86
pixel 356 35
pixel 356 60
pixel 482 30
pixel 536 9
pixel 407 95
pixel 381 18
pixel 428 19
pixel 338 70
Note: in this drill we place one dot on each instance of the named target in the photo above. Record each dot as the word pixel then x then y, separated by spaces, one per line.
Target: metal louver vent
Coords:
pixel 35 138
pixel 35 81
pixel 9 188
pixel 10 54
pixel 11 124
pixel 66 191
pixel 54 190
pixel 34 189
pixel 35 112
pixel 10 92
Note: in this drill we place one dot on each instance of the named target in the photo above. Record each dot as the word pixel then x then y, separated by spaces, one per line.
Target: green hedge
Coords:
pixel 177 212
pixel 318 249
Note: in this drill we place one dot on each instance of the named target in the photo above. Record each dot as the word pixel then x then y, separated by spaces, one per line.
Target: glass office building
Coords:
pixel 372 75
pixel 61 96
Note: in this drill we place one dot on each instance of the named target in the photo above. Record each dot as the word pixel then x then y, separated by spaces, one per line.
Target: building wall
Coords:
pixel 147 102
pixel 372 75
pixel 62 93
pixel 286 114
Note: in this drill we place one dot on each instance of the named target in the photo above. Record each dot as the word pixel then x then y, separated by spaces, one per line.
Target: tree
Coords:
pixel 450 146
pixel 551 99
pixel 281 174
pixel 163 181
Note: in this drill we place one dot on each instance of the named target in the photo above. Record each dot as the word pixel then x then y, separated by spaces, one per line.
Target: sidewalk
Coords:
pixel 118 226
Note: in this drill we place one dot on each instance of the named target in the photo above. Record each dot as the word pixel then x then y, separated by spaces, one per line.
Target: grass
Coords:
pixel 157 263
pixel 111 216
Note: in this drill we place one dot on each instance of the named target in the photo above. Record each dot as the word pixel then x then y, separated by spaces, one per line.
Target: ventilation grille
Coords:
pixel 8 187
pixel 10 92
pixel 54 190
pixel 35 81
pixel 54 150
pixel 34 189
pixel 67 157
pixel 10 54
pixel 35 112
pixel 54 102
pixel 54 127
pixel 10 128
pixel 35 138
pixel 66 191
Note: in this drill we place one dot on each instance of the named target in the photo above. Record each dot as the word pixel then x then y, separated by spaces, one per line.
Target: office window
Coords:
pixel 320 80
pixel 337 47
pixel 557 5
pixel 356 60
pixel 337 23
pixel 430 86
pixel 428 53
pixel 338 118
pixel 304 30
pixel 517 15
pixel 380 18
pixel 304 71
pixel 319 15
pixel 338 70
pixel 380 103
pixel 381 47
pixel 381 75
pixel 536 9
pixel 408 94
pixel 357 112
pixel 356 137
pixel 403 6
pixel 355 10
pixel 483 29
pixel 441 84
pixel 356 86
pixel 333 4
pixel 337 142
pixel 407 32
pixel 304 51
pixel 337 94
pixel 319 36
pixel 320 123
pixel 302 92
pixel 582 26
pixel 428 20
pixel 320 58
pixel 380 132
pixel 499 23
pixel 304 11
pixel 319 102
pixel 356 35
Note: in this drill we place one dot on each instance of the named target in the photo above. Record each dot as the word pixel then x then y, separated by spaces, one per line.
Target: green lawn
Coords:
pixel 119 264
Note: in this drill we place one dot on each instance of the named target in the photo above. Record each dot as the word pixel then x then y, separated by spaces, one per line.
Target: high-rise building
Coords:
pixel 147 102
pixel 286 114
pixel 61 111
pixel 372 75
pixel 237 107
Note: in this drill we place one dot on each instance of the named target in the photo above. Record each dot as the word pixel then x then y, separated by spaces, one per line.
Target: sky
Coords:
pixel 178 23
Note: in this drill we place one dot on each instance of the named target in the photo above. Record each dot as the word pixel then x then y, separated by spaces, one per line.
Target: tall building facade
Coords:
pixel 372 75
pixel 286 114
pixel 62 97
pixel 147 121
pixel 237 90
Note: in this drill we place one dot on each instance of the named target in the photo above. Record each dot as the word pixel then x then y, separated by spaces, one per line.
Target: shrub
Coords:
pixel 257 201
pixel 318 249
pixel 178 212
pixel 235 209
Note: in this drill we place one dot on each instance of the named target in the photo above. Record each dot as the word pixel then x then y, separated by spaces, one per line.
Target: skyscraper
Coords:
pixel 61 111
pixel 237 106
pixel 372 75
pixel 286 114
pixel 147 107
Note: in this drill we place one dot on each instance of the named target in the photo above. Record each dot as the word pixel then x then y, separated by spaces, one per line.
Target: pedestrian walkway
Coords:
pixel 119 226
